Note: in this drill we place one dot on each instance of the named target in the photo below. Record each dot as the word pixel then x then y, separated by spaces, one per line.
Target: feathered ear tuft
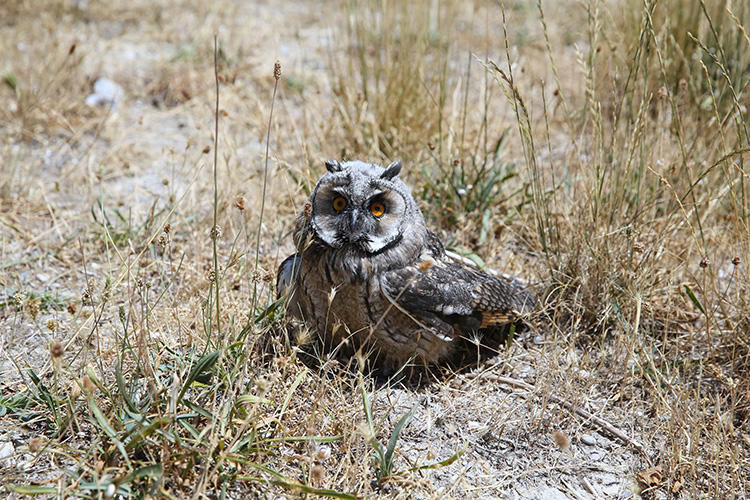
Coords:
pixel 392 170
pixel 333 166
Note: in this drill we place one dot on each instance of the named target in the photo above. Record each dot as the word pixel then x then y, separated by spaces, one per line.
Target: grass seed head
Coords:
pixel 75 390
pixel 332 295
pixel 316 474
pixel 56 349
pixel 87 385
pixel 87 295
pixel 32 305
pixel 561 440
pixel 35 444
pixel 303 336
pixel 263 385
pixel 18 299
pixel 277 70
pixel 239 203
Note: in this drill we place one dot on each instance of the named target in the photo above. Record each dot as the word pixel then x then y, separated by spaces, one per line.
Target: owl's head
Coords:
pixel 363 208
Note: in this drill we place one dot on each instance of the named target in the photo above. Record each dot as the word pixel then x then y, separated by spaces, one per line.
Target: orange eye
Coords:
pixel 377 209
pixel 339 203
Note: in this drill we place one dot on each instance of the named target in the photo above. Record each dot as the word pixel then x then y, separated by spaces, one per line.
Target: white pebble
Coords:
pixel 110 492
pixel 588 440
pixel 106 93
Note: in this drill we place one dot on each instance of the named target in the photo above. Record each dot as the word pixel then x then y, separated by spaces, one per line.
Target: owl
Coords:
pixel 368 274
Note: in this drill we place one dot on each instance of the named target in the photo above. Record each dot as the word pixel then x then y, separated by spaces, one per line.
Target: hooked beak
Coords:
pixel 356 229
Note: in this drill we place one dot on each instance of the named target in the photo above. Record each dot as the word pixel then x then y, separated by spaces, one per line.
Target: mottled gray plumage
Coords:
pixel 369 272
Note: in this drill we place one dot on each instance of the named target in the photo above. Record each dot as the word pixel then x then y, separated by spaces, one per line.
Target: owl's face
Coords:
pixel 361 207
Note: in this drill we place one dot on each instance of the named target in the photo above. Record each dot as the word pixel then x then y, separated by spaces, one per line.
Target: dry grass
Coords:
pixel 595 148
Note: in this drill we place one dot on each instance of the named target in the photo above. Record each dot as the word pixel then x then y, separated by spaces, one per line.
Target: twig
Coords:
pixel 600 422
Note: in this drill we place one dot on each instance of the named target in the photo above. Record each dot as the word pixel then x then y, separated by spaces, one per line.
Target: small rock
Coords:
pixel 106 93
pixel 7 451
pixel 544 491
pixel 110 492
pixel 588 440
pixel 608 479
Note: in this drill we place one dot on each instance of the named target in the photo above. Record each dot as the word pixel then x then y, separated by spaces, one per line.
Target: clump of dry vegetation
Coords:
pixel 595 148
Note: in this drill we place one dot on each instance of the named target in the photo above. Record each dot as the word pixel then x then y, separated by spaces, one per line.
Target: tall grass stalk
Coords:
pixel 276 77
pixel 215 230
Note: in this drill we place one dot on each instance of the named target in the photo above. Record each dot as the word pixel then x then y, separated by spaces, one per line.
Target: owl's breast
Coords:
pixel 331 299
pixel 345 308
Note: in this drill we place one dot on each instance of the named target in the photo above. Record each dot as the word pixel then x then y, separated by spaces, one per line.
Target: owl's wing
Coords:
pixel 287 273
pixel 451 292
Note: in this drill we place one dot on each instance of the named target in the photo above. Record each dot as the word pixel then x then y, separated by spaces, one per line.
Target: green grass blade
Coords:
pixel 394 438
pixel 297 381
pixel 146 431
pixel 43 392
pixel 151 471
pixel 694 299
pixel 204 364
pixel 123 389
pixel 108 430
pixel 368 410
pixel 250 398
pixel 23 489
pixel 442 463
pixel 290 484
pixel 303 488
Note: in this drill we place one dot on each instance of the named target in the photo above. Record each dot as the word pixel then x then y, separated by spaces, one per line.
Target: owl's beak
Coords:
pixel 356 229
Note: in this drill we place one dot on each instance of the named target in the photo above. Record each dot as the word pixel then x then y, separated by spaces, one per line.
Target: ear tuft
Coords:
pixel 392 170
pixel 333 166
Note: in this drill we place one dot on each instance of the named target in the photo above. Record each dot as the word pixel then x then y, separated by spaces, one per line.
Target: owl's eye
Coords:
pixel 339 203
pixel 377 209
